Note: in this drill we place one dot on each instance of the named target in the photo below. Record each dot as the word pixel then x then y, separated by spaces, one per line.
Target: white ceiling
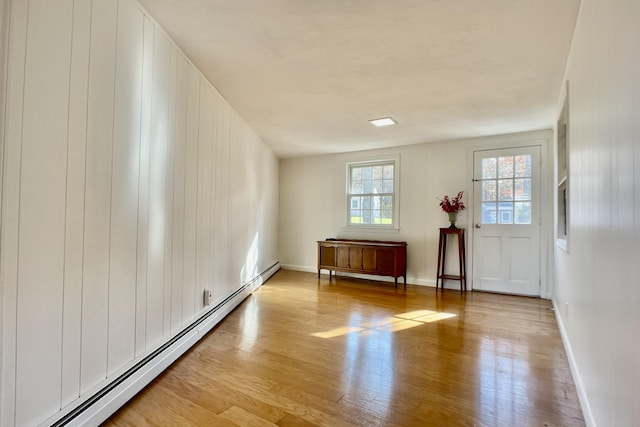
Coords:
pixel 307 75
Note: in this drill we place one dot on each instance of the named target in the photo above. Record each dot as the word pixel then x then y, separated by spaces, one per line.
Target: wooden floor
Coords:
pixel 303 352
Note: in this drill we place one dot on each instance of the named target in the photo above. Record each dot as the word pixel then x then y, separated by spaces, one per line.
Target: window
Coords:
pixel 506 190
pixel 562 173
pixel 371 194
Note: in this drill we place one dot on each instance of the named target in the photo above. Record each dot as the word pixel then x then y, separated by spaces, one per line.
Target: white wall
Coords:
pixel 4 52
pixel 130 186
pixel 312 201
pixel 597 285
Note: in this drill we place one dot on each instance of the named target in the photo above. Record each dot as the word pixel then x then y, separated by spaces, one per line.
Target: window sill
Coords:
pixel 370 229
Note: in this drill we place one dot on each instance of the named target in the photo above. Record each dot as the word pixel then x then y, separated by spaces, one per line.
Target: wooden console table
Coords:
pixel 442 254
pixel 364 256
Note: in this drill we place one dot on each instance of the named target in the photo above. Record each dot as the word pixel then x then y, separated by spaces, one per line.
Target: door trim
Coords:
pixel 544 140
pixel 509 234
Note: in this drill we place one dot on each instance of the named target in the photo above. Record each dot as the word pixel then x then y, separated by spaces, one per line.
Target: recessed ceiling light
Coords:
pixel 385 121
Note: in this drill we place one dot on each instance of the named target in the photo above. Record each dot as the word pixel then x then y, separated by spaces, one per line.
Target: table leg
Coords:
pixel 439 261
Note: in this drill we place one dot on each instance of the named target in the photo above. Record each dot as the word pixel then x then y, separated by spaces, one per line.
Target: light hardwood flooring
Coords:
pixel 302 351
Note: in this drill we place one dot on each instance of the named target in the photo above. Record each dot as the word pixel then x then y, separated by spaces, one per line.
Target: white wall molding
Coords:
pixel 575 373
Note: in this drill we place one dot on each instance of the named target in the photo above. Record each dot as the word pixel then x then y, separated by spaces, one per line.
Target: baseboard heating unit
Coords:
pixel 96 408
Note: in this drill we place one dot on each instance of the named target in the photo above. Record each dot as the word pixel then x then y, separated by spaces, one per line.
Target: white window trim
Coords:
pixel 362 160
pixel 562 176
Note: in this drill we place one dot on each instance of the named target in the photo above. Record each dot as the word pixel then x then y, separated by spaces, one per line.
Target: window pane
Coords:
pixel 355 203
pixel 366 185
pixel 377 172
pixel 356 174
pixel 523 212
pixel 505 189
pixel 505 167
pixel 488 213
pixel 523 189
pixel 489 191
pixel 523 165
pixel 505 213
pixel 366 203
pixel 366 173
pixel 489 168
pixel 375 214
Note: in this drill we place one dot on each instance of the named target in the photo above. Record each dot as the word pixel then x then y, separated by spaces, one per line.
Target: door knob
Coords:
pixel 478 225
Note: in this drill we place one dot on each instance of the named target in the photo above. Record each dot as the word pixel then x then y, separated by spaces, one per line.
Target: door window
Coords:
pixel 506 190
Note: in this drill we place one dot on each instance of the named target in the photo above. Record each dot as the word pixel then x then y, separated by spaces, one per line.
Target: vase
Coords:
pixel 453 217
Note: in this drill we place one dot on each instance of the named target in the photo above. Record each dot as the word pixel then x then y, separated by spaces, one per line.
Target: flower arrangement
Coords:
pixel 452 205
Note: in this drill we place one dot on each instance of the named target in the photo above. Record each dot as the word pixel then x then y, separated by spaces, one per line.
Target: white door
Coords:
pixel 506 214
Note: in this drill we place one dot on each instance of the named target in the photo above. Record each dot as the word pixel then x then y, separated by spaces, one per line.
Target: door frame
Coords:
pixel 543 139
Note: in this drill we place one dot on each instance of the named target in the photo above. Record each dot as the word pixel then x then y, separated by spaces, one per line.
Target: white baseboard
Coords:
pixel 575 373
pixel 103 404
pixel 410 280
pixel 301 268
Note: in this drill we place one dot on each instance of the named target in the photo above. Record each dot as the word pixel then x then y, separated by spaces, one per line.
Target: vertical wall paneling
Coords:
pixel 241 231
pixel 157 189
pixel 129 186
pixel 179 159
pixel 212 262
pixel 143 186
pixel 252 238
pixel 191 195
pixel 221 200
pixel 427 171
pixel 266 229
pixel 274 207
pixel 169 179
pixel 263 194
pixel 4 57
pixel 242 249
pixel 42 189
pixel 124 190
pixel 228 196
pixel 604 100
pixel 12 152
pixel 97 221
pixel 74 228
pixel 635 142
pixel 204 193
pixel 235 205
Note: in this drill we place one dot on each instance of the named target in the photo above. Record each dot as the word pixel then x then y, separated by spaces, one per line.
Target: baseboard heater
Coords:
pixel 102 404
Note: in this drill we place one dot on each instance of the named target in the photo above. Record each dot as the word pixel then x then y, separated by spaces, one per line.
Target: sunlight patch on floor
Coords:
pixel 398 322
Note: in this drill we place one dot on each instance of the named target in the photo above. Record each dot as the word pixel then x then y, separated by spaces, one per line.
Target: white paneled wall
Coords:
pixel 4 56
pixel 597 290
pixel 313 204
pixel 129 186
